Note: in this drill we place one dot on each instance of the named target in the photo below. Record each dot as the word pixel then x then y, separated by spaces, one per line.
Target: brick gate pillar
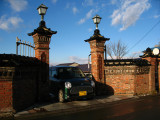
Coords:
pixel 152 61
pixel 154 68
pixel 97 55
pixel 42 37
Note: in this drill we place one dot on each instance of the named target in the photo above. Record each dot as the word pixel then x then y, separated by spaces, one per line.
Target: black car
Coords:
pixel 68 83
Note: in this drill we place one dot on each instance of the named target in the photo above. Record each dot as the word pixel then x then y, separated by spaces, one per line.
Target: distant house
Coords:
pixel 69 64
pixel 84 67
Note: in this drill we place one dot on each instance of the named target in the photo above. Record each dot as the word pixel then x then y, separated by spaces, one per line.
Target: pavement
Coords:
pixel 69 107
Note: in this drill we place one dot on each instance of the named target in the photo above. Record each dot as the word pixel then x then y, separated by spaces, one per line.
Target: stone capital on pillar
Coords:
pixel 41 37
pixel 97 42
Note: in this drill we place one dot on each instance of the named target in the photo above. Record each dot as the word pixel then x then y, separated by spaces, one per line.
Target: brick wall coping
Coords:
pixel 122 62
pixel 12 60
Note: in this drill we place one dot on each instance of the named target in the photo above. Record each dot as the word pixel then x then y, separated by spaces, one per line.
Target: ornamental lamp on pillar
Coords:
pixel 96 20
pixel 156 51
pixel 42 11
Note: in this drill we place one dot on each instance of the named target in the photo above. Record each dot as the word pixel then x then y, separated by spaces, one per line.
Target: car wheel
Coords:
pixel 61 96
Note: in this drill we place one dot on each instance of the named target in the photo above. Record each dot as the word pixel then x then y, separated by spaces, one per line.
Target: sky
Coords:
pixel 135 22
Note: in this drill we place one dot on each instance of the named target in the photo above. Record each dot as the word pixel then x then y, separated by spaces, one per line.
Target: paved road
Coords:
pixel 146 108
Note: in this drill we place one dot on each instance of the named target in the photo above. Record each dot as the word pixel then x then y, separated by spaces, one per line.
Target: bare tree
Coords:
pixel 116 50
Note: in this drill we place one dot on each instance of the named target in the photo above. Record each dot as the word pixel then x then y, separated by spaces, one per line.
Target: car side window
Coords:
pixel 50 73
pixel 54 73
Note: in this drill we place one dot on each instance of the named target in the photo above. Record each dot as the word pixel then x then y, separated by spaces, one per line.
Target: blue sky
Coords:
pixel 130 21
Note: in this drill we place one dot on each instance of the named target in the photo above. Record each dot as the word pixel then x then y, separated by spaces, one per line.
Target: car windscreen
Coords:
pixel 70 72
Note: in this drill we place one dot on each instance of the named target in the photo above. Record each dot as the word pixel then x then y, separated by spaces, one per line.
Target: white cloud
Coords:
pixel 75 10
pixel 78 60
pixel 113 2
pixel 90 29
pixel 10 23
pixel 18 5
pixel 88 16
pixel 1 39
pixel 82 21
pixel 54 1
pixel 88 3
pixel 156 16
pixel 53 64
pixel 135 54
pixel 68 5
pixel 103 5
pixel 129 12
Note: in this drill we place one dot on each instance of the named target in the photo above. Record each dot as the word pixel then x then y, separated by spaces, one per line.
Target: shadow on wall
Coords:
pixel 102 88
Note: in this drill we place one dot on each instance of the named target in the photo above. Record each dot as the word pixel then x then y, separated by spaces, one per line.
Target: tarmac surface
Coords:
pixel 69 107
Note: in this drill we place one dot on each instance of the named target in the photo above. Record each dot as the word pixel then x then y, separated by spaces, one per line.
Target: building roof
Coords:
pixel 84 67
pixel 68 64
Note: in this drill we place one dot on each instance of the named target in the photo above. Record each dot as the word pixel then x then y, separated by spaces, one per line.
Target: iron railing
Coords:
pixel 23 47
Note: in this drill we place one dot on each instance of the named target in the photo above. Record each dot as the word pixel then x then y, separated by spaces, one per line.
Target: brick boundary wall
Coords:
pixel 6 91
pixel 127 77
pixel 23 82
